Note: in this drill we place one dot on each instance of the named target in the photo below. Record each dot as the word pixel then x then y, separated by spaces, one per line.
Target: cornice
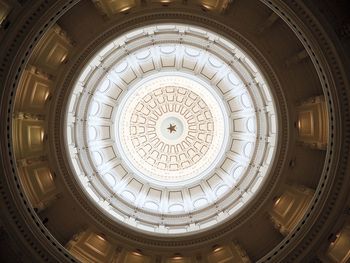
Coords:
pixel 20 218
pixel 332 187
pixel 187 242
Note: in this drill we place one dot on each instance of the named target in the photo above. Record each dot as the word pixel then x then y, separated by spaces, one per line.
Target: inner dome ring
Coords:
pixel 127 197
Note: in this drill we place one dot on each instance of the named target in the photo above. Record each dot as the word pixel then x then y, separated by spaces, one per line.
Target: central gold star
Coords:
pixel 172 128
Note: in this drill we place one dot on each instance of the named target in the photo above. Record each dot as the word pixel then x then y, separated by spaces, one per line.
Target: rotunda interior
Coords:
pixel 174 131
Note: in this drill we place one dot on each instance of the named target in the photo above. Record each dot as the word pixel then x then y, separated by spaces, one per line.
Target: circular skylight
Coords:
pixel 171 129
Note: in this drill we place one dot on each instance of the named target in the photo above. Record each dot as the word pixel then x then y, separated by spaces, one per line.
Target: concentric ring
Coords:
pixel 114 163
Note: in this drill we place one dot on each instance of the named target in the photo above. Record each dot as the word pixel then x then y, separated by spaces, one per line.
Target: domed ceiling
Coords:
pixel 173 132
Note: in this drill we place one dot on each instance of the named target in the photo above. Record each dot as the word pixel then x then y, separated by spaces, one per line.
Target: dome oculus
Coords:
pixel 178 126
